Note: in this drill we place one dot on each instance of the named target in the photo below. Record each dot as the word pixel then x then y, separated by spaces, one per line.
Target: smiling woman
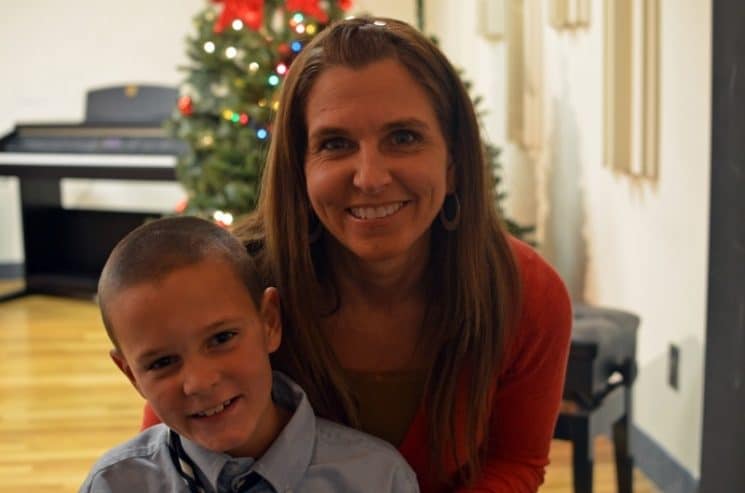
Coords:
pixel 408 311
pixel 376 166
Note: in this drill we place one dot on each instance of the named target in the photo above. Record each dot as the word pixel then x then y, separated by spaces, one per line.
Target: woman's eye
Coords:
pixel 404 137
pixel 335 144
pixel 161 363
pixel 222 337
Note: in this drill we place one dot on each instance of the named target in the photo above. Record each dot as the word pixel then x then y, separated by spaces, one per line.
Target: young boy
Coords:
pixel 192 328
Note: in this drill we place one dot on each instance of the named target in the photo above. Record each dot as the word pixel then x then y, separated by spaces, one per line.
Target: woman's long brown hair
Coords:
pixel 474 279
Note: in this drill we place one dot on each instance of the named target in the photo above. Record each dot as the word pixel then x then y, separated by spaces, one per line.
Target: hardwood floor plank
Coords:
pixel 63 402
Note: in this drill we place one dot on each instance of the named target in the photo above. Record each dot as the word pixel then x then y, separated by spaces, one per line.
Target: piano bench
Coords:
pixel 597 391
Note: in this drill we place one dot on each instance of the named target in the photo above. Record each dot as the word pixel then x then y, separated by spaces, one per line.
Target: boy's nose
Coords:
pixel 199 377
pixel 371 173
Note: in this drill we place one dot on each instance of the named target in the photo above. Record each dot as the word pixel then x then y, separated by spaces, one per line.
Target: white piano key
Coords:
pixel 46 159
pixel 121 195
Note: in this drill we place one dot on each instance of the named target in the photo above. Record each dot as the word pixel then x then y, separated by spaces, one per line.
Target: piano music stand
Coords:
pixel 597 391
pixel 65 249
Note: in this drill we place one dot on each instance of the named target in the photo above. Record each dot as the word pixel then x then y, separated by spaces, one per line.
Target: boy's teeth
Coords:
pixel 214 410
pixel 375 212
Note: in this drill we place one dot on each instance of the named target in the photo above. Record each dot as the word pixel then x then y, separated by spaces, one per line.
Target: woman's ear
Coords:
pixel 118 358
pixel 271 318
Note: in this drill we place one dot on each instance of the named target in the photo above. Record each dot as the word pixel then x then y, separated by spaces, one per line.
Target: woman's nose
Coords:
pixel 371 173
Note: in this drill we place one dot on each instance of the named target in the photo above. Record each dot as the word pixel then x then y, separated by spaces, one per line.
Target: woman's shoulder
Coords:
pixel 537 277
pixel 545 313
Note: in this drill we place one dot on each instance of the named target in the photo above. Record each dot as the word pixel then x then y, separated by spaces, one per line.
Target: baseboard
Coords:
pixel 659 466
pixel 11 270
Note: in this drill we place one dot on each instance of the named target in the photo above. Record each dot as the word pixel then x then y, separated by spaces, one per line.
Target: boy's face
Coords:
pixel 194 345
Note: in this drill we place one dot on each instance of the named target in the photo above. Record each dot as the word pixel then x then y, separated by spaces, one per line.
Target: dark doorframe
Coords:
pixel 723 445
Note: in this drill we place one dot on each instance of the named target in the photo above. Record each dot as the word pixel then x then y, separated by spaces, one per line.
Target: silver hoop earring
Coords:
pixel 452 204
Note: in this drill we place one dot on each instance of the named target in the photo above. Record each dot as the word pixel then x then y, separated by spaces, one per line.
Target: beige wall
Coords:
pixel 617 241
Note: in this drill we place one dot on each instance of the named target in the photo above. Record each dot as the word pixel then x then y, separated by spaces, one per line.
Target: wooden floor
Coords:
pixel 63 403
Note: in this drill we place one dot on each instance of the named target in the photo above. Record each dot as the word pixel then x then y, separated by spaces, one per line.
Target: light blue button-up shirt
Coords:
pixel 309 455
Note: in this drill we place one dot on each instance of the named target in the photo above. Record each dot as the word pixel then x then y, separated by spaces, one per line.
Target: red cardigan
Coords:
pixel 527 396
pixel 528 392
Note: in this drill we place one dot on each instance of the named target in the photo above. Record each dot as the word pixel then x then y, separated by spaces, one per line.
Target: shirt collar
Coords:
pixel 286 460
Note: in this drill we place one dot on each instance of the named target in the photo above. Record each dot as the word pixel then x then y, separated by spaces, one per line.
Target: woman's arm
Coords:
pixel 527 398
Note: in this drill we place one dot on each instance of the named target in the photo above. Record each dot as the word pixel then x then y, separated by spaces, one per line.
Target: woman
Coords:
pixel 408 312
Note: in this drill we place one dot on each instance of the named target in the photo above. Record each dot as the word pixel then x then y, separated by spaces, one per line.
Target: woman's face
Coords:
pixel 377 163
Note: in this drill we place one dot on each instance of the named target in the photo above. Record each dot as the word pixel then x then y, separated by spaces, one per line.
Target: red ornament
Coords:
pixel 307 7
pixel 283 49
pixel 185 105
pixel 345 4
pixel 251 12
pixel 181 205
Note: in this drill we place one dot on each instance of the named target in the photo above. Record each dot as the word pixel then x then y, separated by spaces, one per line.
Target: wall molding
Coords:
pixel 631 87
pixel 11 270
pixel 659 466
pixel 525 74
pixel 569 14
pixel 490 18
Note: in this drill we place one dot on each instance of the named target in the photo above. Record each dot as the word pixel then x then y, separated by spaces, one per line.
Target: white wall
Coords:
pixel 397 9
pixel 635 245
pixel 52 52
pixel 648 243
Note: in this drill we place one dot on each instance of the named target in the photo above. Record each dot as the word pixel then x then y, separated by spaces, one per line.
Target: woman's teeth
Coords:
pixel 375 212
pixel 214 410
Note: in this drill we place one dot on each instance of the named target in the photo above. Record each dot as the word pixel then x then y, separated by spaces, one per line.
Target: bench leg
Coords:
pixel 582 460
pixel 624 460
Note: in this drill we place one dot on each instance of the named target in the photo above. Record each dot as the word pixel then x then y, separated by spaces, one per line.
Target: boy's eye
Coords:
pixel 222 337
pixel 404 137
pixel 162 362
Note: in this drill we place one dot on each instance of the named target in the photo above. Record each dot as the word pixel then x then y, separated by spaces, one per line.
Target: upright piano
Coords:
pixel 121 138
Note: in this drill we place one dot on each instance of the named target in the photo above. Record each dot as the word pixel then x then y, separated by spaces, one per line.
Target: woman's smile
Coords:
pixel 369 212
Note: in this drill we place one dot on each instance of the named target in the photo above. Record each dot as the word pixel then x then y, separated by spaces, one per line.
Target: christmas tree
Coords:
pixel 238 58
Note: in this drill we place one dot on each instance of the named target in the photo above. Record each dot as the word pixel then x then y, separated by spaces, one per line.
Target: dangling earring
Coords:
pixel 314 228
pixel 451 203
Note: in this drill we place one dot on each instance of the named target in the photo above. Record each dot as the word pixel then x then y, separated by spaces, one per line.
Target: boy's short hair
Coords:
pixel 155 249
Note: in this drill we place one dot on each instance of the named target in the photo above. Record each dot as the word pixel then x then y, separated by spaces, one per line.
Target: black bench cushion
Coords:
pixel 603 342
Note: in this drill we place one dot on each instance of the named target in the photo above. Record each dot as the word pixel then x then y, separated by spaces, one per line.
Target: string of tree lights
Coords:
pixel 238 57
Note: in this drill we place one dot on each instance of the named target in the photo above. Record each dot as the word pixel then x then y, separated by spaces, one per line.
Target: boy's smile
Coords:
pixel 195 346
pixel 218 409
